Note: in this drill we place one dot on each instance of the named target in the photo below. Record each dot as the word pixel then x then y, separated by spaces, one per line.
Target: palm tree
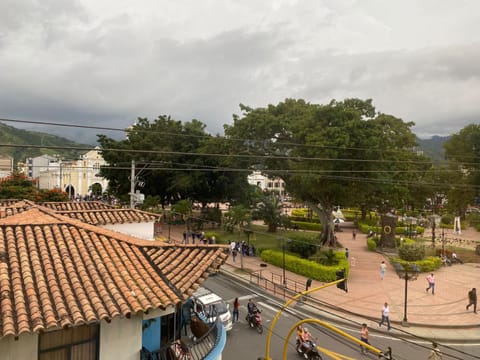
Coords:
pixel 237 215
pixel 270 211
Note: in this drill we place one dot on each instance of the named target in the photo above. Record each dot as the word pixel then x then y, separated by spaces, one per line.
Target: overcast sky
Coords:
pixel 105 62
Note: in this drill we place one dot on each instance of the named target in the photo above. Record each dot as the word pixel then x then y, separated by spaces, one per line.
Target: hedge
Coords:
pixel 371 244
pixel 307 268
pixel 307 225
pixel 428 264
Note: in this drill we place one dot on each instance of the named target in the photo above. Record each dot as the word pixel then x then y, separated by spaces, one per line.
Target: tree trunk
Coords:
pixel 324 213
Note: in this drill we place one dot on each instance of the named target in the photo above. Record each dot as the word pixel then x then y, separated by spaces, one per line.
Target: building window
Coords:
pixel 80 342
pixel 270 185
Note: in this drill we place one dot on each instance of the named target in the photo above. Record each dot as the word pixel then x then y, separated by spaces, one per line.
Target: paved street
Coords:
pixel 441 316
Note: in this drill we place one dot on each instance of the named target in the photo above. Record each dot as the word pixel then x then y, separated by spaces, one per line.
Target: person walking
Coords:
pixel 364 338
pixel 431 283
pixel 472 299
pixel 236 308
pixel 354 234
pixel 346 253
pixel 383 269
pixel 385 317
pixel 435 354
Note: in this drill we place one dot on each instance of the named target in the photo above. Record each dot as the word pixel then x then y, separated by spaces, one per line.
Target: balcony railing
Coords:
pixel 197 349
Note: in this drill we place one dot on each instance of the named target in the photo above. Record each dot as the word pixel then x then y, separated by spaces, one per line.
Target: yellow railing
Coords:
pixel 288 303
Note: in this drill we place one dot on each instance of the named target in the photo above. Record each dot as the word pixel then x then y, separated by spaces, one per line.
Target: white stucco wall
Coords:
pixel 139 230
pixel 25 347
pixel 121 339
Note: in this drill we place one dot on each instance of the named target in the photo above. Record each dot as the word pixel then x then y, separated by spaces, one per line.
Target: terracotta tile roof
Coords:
pixel 76 205
pixel 10 207
pixel 8 202
pixel 58 272
pixel 98 213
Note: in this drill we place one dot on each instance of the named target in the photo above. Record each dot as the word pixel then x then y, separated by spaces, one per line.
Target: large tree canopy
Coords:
pixel 463 152
pixel 174 161
pixel 341 153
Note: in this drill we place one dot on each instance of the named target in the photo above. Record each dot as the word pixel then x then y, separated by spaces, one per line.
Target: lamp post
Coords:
pixel 284 279
pixel 407 272
pixel 283 267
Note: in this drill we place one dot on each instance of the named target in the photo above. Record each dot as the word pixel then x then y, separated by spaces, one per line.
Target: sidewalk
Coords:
pixel 441 316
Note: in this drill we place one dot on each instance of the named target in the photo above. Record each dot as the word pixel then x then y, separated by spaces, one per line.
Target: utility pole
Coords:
pixel 60 174
pixel 132 185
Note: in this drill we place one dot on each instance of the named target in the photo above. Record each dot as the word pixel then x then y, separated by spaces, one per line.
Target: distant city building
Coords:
pixel 75 177
pixel 276 185
pixel 35 165
pixel 6 165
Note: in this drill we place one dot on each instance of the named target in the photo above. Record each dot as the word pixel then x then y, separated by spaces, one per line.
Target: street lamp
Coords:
pixel 283 249
pixel 407 272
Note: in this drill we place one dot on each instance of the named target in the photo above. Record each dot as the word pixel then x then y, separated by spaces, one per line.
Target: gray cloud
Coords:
pixel 106 63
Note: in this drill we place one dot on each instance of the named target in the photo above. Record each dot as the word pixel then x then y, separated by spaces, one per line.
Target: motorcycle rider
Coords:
pixel 307 341
pixel 299 336
pixel 251 308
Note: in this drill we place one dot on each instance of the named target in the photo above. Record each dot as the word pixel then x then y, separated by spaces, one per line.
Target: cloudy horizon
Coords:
pixel 107 63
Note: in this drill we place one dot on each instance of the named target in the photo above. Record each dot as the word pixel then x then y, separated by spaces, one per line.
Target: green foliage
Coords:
pixel 52 195
pixel 447 219
pixel 218 238
pixel 150 203
pixel 18 186
pixel 371 244
pixel 366 227
pixel 328 258
pixel 237 216
pixel 270 211
pixel 302 225
pixel 172 144
pixel 303 245
pixel 183 207
pixel 428 264
pixel 304 267
pixel 12 135
pixel 406 241
pixel 339 127
pixel 351 214
pixel 411 252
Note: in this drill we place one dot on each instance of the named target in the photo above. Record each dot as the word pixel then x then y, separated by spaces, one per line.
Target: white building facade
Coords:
pixel 275 185
pixel 75 177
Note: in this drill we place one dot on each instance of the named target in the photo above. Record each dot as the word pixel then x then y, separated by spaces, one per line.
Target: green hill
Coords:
pixel 433 147
pixel 11 135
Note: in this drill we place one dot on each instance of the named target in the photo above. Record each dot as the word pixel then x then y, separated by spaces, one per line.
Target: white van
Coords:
pixel 211 305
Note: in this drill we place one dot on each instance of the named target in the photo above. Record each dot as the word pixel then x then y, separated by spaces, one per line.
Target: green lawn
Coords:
pixel 260 238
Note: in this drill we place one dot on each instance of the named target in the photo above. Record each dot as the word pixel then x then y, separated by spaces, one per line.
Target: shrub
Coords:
pixel 406 241
pixel 307 268
pixel 307 225
pixel 302 245
pixel 428 264
pixel 371 244
pixel 411 252
pixel 447 219
pixel 218 239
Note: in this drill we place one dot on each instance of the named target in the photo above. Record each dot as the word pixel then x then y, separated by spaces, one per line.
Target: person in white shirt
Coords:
pixel 383 269
pixel 385 317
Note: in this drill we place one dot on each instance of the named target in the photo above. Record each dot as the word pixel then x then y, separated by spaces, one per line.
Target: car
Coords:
pixel 210 305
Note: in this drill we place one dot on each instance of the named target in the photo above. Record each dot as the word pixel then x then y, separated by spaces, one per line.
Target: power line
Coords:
pixel 166 133
pixel 161 152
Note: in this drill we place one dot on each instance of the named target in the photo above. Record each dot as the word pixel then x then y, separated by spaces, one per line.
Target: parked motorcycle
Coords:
pixel 312 355
pixel 255 320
